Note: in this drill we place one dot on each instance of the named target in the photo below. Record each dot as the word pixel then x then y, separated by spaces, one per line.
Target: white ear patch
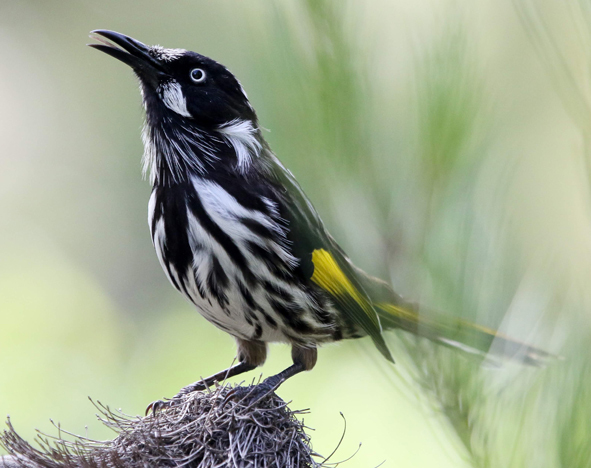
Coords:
pixel 241 135
pixel 172 96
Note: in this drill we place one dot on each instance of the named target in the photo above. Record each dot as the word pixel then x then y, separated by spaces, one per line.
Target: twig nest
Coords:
pixel 203 429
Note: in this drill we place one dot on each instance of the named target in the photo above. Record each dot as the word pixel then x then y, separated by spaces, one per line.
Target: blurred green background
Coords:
pixel 446 145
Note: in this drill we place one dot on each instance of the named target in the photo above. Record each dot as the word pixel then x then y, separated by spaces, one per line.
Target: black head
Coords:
pixel 185 83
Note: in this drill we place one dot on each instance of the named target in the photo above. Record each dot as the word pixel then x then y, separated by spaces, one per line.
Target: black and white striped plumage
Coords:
pixel 218 220
pixel 235 233
pixel 233 260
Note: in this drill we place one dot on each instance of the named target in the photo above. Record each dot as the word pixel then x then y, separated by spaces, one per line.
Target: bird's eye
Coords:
pixel 198 75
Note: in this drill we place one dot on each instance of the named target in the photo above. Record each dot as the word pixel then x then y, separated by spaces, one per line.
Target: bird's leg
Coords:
pixel 202 384
pixel 304 359
pixel 251 354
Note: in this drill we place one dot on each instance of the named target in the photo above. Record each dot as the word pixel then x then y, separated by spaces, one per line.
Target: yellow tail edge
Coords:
pixel 460 334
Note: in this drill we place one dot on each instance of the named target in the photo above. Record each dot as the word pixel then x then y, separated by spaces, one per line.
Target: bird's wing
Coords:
pixel 397 313
pixel 371 303
pixel 323 262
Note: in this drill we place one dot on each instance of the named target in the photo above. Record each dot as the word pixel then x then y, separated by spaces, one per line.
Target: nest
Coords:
pixel 204 429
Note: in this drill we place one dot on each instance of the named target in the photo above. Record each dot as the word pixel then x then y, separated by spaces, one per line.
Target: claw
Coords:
pixel 251 395
pixel 161 405
pixel 261 391
pixel 195 387
pixel 237 393
pixel 157 406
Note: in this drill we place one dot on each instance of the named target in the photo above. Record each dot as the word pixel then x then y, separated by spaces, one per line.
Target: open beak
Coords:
pixel 129 51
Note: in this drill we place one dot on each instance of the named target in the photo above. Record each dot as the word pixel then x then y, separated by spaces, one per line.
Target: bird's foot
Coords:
pixel 253 394
pixel 158 406
pixel 162 405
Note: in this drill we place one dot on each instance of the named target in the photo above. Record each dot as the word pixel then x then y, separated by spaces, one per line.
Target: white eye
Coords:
pixel 198 75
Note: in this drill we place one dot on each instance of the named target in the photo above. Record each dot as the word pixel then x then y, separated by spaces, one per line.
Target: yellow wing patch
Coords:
pixel 329 276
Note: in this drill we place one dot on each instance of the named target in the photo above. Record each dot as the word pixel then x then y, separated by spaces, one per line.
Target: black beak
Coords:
pixel 129 51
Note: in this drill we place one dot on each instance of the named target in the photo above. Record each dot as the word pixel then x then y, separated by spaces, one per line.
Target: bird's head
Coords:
pixel 198 116
pixel 189 84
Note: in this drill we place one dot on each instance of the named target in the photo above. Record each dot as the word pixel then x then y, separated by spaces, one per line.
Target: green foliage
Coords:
pixel 499 412
pixel 449 110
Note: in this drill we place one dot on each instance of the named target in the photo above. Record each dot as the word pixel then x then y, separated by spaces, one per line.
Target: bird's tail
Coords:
pixel 457 333
pixel 396 313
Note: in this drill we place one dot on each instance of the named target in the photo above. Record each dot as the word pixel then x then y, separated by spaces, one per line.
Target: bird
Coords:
pixel 237 236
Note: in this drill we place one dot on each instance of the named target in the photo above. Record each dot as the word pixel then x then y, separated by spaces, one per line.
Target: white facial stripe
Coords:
pixel 242 136
pixel 166 55
pixel 172 96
